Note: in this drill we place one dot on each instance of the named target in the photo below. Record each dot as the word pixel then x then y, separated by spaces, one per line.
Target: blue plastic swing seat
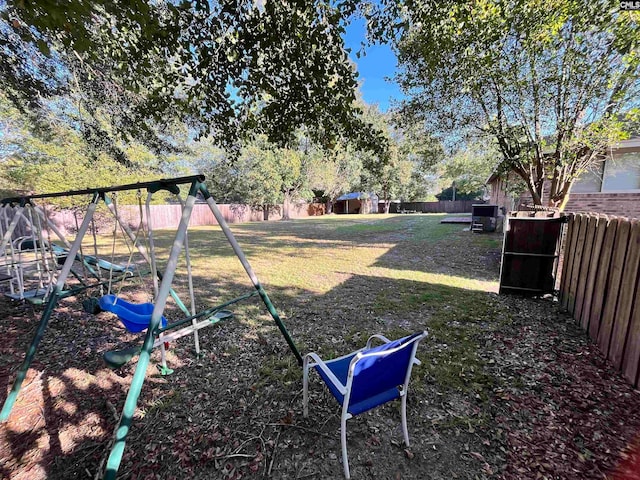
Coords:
pixel 134 316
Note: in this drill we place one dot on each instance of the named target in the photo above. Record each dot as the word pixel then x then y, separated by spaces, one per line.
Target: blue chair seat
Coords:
pixel 134 316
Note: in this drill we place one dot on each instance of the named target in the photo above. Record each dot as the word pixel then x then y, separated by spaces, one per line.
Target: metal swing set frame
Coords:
pixel 155 333
pixel 24 251
pixel 26 247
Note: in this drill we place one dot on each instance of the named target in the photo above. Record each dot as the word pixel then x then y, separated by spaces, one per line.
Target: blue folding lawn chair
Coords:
pixel 365 379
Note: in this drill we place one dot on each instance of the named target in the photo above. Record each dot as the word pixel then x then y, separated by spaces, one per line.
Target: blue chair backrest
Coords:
pixel 378 374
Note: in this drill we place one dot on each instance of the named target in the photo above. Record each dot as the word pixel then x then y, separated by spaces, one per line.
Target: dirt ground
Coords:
pixel 509 387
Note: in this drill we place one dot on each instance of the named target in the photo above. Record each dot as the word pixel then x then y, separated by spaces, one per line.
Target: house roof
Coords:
pixel 494 176
pixel 355 196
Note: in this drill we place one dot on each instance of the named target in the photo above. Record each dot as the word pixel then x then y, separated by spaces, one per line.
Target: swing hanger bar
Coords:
pixel 169 184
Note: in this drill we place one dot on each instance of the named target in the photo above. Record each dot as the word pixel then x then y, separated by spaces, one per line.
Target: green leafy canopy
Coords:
pixel 548 81
pixel 227 68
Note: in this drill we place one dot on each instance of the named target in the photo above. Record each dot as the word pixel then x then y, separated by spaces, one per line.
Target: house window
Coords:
pixel 618 174
pixel 622 173
pixel 590 181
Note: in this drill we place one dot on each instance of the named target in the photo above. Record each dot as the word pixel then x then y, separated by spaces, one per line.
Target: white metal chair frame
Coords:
pixel 312 360
pixel 38 257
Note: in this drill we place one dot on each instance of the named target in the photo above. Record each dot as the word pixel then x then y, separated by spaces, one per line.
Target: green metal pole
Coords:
pixel 204 313
pixel 279 322
pixel 254 279
pixel 46 315
pixel 115 457
pixel 31 353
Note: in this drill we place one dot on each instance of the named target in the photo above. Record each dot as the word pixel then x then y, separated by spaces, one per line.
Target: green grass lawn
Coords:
pixel 337 279
pixel 362 274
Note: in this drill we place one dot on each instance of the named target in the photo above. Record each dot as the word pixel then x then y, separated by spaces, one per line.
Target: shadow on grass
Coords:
pixel 62 411
pixel 445 249
pixel 336 232
pixel 227 411
pixel 248 376
pixel 236 411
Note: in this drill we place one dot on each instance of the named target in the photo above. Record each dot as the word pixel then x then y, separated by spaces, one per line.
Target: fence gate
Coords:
pixel 530 255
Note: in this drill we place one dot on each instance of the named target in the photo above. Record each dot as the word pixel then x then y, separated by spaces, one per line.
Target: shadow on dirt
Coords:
pixel 236 411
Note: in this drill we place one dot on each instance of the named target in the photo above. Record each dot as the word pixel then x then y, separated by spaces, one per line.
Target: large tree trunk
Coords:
pixel 329 206
pixel 387 201
pixel 562 203
pixel 286 204
pixel 559 196
pixel 534 187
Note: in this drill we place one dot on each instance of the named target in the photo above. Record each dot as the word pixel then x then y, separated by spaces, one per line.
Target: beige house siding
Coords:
pixel 499 196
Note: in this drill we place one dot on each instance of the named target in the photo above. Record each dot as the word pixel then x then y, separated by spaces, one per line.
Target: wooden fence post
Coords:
pixel 613 287
pixel 595 317
pixel 585 266
pixel 625 298
pixel 567 263
pixel 590 291
pixel 577 258
pixel 631 358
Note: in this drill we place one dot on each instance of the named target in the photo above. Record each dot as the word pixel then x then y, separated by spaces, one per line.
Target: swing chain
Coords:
pixel 145 235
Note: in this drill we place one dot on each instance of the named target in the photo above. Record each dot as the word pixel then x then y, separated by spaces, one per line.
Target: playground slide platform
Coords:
pixel 93 261
pixel 34 296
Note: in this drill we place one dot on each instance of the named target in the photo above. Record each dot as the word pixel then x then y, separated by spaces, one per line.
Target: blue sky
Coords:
pixel 379 62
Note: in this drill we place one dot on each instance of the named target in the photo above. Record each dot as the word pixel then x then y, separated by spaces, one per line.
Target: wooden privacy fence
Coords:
pixel 599 286
pixel 445 206
pixel 168 215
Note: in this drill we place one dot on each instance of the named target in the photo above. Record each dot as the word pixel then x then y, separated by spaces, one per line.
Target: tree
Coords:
pixel 388 178
pixel 263 175
pixel 334 171
pixel 547 80
pixel 470 167
pixel 451 193
pixel 227 68
pixel 58 158
pixel 292 168
pixel 402 170
pixel 424 153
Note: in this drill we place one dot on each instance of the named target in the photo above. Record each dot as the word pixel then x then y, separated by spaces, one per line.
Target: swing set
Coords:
pixel 55 264
pixel 27 264
pixel 30 260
